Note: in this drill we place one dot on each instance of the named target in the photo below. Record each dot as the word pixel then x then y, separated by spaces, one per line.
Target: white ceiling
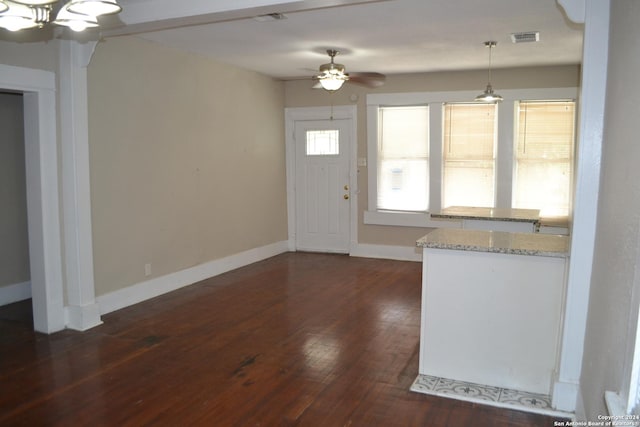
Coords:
pixel 388 36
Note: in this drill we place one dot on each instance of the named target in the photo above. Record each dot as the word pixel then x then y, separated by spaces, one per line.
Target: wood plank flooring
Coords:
pixel 298 339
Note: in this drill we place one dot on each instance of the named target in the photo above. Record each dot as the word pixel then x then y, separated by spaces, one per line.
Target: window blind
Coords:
pixel 544 156
pixel 469 154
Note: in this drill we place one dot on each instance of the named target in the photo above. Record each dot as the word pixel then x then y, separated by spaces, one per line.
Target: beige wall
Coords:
pixel 299 94
pixel 187 161
pixel 610 324
pixel 38 55
pixel 14 244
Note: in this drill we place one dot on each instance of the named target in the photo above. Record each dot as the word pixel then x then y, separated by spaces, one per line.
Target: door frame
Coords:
pixel 292 115
pixel 41 158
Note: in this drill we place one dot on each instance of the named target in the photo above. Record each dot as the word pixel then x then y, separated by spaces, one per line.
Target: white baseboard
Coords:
pixel 615 404
pixel 14 293
pixel 152 288
pixel 565 396
pixel 82 318
pixel 581 413
pixel 401 253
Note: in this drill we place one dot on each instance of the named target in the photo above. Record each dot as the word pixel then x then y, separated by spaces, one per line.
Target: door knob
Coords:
pixel 346 197
pixel 346 187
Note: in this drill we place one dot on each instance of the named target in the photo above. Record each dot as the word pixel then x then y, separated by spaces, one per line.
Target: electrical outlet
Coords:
pixel 147 269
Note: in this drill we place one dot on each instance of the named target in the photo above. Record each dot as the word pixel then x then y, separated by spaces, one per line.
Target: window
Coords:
pixel 428 150
pixel 403 162
pixel 469 155
pixel 543 156
pixel 323 142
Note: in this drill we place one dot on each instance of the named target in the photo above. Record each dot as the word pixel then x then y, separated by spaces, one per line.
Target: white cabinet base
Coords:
pixel 491 318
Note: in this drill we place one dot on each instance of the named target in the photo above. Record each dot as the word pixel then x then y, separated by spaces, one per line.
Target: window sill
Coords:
pixel 407 219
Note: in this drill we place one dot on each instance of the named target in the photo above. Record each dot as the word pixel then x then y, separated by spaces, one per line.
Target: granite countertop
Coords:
pixel 491 214
pixel 534 244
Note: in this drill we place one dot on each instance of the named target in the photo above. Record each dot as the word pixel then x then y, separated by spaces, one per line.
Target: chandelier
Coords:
pixel 16 15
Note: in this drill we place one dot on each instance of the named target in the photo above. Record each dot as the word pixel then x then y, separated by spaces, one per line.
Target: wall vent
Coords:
pixel 526 37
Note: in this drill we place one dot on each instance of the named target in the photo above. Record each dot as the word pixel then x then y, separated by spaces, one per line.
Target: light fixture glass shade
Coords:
pixel 75 21
pixel 332 75
pixel 78 15
pixel 35 2
pixel 332 82
pixel 488 95
pixel 18 17
pixel 94 7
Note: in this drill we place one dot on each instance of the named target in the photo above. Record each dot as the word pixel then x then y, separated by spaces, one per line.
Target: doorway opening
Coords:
pixel 42 194
pixel 15 277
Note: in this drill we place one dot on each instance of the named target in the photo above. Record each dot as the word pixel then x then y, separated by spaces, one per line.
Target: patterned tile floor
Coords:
pixel 489 395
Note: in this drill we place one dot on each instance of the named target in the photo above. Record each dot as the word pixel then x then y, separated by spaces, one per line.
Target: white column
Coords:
pixel 82 310
pixel 595 15
pixel 43 210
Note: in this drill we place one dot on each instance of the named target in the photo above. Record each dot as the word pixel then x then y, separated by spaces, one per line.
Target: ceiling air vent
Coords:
pixel 529 36
pixel 270 17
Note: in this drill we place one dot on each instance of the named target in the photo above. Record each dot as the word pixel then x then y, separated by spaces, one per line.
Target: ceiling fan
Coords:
pixel 332 76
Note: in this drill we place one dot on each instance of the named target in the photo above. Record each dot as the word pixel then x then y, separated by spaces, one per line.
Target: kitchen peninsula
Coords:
pixel 492 304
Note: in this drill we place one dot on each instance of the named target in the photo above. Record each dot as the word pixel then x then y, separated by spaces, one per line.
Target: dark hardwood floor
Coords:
pixel 299 339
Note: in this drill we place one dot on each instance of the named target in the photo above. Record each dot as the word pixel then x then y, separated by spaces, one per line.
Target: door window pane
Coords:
pixel 323 142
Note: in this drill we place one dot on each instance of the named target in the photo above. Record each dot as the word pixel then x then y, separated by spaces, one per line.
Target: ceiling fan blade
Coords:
pixel 371 80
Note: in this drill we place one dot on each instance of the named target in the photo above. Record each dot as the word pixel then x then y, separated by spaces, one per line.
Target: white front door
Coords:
pixel 322 185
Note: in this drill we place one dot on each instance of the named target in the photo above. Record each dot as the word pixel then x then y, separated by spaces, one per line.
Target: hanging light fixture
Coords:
pixel 78 15
pixel 75 21
pixel 488 95
pixel 332 75
pixel 94 7
pixel 19 16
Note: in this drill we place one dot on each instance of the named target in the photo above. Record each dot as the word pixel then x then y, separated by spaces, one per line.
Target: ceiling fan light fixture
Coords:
pixel 489 95
pixel 332 75
pixel 332 82
pixel 94 7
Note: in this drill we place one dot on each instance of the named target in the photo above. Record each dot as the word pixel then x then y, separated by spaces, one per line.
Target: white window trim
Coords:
pixel 504 154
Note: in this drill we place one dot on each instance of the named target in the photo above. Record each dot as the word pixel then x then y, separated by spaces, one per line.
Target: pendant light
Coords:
pixel 94 7
pixel 19 16
pixel 488 95
pixel 76 21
